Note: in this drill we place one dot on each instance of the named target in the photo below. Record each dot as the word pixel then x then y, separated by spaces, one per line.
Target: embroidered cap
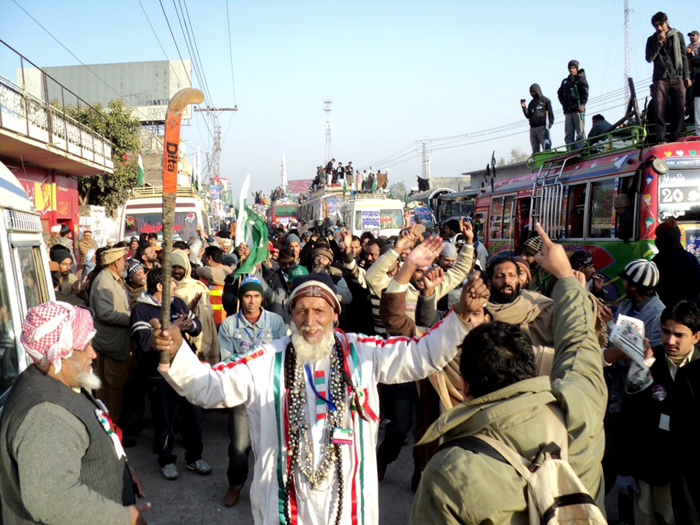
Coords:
pixel 315 285
pixel 54 329
pixel 642 273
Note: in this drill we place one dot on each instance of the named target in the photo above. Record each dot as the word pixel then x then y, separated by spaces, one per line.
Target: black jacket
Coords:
pixel 664 58
pixel 679 273
pixel 573 92
pixel 538 108
pixel 649 453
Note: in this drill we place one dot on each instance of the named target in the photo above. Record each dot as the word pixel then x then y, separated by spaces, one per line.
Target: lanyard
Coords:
pixel 328 401
pixel 257 337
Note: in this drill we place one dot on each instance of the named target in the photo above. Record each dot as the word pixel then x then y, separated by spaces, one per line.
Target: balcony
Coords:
pixel 34 131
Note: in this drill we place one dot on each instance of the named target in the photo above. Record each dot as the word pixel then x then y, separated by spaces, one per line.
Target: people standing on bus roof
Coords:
pixel 679 270
pixel 538 111
pixel 666 49
pixel 573 95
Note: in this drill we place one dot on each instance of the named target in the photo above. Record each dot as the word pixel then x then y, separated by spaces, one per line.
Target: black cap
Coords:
pixel 320 277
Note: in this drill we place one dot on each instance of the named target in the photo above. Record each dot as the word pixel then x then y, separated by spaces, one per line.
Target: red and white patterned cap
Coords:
pixel 54 329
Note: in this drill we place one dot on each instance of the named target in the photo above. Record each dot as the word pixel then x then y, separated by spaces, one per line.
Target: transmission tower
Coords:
pixel 329 144
pixel 213 172
pixel 426 161
pixel 627 47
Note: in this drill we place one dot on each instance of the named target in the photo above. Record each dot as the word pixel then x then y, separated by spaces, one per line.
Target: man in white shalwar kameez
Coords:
pixel 315 447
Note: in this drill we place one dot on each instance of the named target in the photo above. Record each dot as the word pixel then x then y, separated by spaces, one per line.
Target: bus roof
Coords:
pixel 12 194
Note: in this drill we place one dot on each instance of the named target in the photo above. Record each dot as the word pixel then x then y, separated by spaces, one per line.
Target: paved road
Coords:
pixel 195 499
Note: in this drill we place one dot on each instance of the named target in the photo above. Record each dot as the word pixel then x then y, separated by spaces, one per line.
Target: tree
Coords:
pixel 116 124
pixel 398 191
pixel 516 156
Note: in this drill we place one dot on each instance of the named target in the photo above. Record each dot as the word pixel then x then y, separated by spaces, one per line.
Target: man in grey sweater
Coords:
pixel 61 459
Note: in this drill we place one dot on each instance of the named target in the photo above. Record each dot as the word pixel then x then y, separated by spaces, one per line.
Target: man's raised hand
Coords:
pixel 552 257
pixel 425 253
pixel 467 230
pixel 168 340
pixel 475 294
pixel 405 241
pixel 431 279
pixel 347 241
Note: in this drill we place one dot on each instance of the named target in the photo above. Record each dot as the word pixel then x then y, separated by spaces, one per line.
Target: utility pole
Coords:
pixel 216 152
pixel 284 173
pixel 426 161
pixel 627 47
pixel 329 145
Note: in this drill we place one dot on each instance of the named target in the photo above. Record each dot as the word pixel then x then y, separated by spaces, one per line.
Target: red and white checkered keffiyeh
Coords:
pixel 54 329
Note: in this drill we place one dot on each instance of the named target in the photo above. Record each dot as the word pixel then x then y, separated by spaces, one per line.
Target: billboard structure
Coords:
pixel 146 86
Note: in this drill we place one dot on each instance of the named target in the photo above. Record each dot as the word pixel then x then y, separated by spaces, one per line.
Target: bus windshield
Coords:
pixel 285 210
pixel 137 223
pixel 679 195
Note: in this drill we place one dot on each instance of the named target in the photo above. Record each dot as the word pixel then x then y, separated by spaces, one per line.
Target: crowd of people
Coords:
pixel 332 336
pixel 509 364
pixel 675 95
pixel 360 181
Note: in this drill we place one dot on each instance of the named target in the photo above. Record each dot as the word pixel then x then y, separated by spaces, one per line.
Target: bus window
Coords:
pixel 507 218
pixel 9 366
pixel 496 218
pixel 35 287
pixel 601 209
pixel 391 219
pixel 358 221
pixel 478 222
pixel 575 211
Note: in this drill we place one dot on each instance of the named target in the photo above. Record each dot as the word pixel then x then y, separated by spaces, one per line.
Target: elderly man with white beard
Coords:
pixel 61 460
pixel 313 403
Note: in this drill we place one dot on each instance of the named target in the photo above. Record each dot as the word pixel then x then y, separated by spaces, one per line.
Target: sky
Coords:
pixel 399 73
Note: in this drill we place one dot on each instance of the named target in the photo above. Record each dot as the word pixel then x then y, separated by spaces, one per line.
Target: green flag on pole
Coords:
pixel 139 172
pixel 256 234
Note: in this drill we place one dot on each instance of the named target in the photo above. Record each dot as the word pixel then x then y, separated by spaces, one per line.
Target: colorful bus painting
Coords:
pixel 572 197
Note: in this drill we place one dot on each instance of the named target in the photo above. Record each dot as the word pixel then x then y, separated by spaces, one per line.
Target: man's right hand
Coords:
pixel 168 340
pixel 137 513
pixel 431 279
pixel 347 241
pixel 405 241
pixel 475 294
pixel 552 257
pixel 425 253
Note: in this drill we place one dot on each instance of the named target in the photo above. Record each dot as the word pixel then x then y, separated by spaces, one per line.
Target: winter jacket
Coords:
pixel 573 92
pixel 110 302
pixel 147 308
pixel 670 58
pixel 460 486
pixel 538 108
pixel 679 273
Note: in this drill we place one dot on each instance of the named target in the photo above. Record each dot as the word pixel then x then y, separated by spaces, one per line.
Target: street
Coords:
pixel 200 499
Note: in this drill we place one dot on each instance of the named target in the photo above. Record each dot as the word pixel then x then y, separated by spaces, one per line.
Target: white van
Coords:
pixel 376 215
pixel 143 213
pixel 25 279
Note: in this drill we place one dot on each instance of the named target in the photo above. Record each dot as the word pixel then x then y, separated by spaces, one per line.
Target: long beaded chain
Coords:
pixel 299 427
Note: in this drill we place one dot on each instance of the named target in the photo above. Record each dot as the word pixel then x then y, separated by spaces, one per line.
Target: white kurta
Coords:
pixel 257 379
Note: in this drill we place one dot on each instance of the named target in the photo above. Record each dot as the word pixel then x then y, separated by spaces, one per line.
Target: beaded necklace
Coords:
pixel 299 439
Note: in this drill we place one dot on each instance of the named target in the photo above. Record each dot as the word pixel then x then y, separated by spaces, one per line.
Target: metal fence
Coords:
pixel 25 109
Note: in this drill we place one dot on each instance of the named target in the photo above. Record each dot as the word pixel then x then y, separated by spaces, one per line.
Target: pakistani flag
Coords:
pixel 242 216
pixel 256 238
pixel 139 172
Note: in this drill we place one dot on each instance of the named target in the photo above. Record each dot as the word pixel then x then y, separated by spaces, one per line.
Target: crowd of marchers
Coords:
pixel 525 410
pixel 675 94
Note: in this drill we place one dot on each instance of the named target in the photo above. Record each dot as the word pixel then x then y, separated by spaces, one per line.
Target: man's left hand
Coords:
pixel 475 294
pixel 465 226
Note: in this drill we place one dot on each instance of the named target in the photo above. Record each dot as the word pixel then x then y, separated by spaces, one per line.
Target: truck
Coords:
pixel 25 279
pixel 143 213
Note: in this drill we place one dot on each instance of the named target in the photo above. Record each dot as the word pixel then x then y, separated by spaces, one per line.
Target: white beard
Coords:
pixel 309 353
pixel 89 381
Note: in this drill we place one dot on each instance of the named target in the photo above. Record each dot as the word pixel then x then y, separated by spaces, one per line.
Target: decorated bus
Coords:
pixel 282 213
pixel 574 195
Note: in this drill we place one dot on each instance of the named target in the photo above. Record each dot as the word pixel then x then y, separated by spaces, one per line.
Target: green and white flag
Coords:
pixel 139 172
pixel 256 230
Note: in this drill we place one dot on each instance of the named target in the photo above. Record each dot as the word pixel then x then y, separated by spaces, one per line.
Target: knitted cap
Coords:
pixel 573 63
pixel 668 229
pixel 59 254
pixel 580 259
pixel 250 283
pixel 533 246
pixel 296 271
pixel 322 250
pixel 291 238
pixel 65 230
pixel 449 250
pixel 134 267
pixel 315 285
pixel 642 273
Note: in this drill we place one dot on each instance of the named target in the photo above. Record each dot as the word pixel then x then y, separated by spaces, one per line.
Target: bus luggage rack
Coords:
pixel 547 197
pixel 157 191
